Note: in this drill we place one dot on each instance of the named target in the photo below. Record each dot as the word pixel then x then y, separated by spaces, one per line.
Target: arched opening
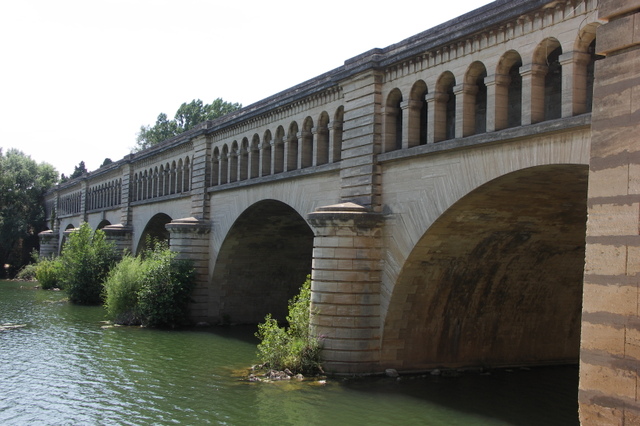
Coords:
pixel 291 154
pixel 224 165
pixel 497 279
pixel 215 167
pixel 546 84
pixel 266 154
pixel 243 159
pixel 475 100
pixel 322 142
pixel 584 73
pixel 233 161
pixel 278 155
pixel 103 223
pixel 262 262
pixel 445 108
pixel 154 231
pixel 336 127
pixel 306 148
pixel 254 157
pixel 417 125
pixel 393 121
pixel 514 94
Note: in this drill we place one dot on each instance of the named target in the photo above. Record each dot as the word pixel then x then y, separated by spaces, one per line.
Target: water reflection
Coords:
pixel 64 367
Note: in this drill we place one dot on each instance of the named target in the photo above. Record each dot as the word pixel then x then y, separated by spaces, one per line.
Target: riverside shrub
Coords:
pixel 121 290
pixel 165 290
pixel 86 260
pixel 295 347
pixel 153 289
pixel 48 272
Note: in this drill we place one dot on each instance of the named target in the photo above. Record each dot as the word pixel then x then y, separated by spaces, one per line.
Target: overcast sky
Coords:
pixel 79 77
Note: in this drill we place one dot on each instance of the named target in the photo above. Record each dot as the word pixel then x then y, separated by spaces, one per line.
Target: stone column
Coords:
pixel 48 244
pixel 345 287
pixel 532 93
pixel 610 340
pixel 190 241
pixel 574 83
pixel 497 101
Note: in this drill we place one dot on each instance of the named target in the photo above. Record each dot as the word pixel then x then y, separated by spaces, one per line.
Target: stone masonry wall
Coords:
pixel 610 348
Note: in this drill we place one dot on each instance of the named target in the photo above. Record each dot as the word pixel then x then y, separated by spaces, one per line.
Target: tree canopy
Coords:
pixel 186 117
pixel 23 183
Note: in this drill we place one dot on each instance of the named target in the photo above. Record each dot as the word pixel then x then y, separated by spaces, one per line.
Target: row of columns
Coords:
pixel 308 148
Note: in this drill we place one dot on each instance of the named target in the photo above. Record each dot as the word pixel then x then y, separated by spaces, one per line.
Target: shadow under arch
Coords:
pixel 497 279
pixel 263 262
pixel 154 231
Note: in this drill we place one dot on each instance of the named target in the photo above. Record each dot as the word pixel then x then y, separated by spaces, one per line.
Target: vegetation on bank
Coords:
pixel 152 289
pixel 295 348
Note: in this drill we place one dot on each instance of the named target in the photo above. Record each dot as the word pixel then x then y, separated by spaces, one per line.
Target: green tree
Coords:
pixel 78 171
pixel 23 183
pixel 186 117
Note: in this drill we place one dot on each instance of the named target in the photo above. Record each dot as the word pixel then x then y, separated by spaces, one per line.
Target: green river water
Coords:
pixel 66 367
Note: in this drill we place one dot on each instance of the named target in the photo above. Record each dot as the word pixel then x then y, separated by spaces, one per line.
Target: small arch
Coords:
pixel 254 157
pixel 233 162
pixel 215 167
pixel 291 153
pixel 475 100
pixel 445 107
pixel 546 92
pixel 418 114
pixel 266 154
pixel 103 223
pixel 584 74
pixel 179 176
pixel 224 165
pixel 187 175
pixel 243 159
pixel 306 148
pixel 322 139
pixel 393 121
pixel 336 127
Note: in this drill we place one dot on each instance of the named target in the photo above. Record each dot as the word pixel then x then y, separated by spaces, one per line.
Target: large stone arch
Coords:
pixel 262 262
pixel 497 279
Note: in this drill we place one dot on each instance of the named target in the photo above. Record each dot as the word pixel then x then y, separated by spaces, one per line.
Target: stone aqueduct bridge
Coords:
pixel 437 190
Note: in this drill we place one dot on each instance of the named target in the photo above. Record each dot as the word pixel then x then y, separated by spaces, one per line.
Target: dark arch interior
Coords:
pixel 497 279
pixel 154 231
pixel 262 263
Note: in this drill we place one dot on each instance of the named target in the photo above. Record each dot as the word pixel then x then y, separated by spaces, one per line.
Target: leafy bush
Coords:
pixel 296 347
pixel 48 272
pixel 27 273
pixel 166 287
pixel 152 290
pixel 86 260
pixel 121 290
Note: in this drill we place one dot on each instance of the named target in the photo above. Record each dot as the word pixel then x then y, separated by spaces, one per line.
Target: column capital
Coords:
pixel 344 214
pixel 190 225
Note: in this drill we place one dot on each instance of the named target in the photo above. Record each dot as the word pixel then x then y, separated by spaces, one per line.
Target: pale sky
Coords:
pixel 79 77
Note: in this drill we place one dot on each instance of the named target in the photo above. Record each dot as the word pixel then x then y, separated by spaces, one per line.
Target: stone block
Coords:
pixel 602 337
pixel 605 259
pixel 609 181
pixel 616 35
pixel 632 343
pixel 608 380
pixel 619 300
pixel 613 219
pixel 592 414
pixel 608 9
